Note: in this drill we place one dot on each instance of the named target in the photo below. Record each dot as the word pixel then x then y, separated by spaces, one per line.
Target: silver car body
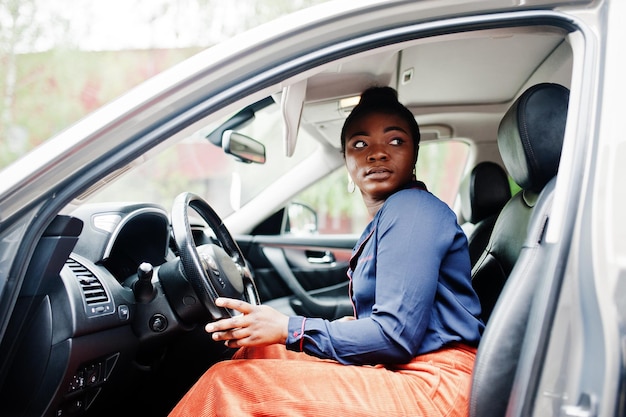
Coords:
pixel 583 372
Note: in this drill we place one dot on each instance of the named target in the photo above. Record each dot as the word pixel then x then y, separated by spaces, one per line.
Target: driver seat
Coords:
pixel 530 138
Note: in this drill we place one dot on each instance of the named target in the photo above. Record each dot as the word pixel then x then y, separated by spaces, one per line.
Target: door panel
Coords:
pixel 303 275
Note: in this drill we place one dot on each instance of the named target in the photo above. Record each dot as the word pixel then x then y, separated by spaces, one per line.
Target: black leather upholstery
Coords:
pixel 530 138
pixel 530 135
pixel 483 193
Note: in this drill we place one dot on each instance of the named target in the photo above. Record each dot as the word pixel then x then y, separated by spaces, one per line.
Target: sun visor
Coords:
pixel 292 102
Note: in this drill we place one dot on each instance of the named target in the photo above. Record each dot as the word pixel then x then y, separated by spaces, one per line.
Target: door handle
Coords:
pixel 587 407
pixel 319 257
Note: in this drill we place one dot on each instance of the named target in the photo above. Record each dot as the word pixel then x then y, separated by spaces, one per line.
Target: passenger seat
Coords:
pixel 483 193
pixel 530 138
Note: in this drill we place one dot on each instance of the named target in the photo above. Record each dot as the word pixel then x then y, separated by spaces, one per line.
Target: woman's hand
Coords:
pixel 257 325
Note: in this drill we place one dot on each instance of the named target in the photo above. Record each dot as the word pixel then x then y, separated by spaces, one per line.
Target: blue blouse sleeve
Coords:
pixel 402 267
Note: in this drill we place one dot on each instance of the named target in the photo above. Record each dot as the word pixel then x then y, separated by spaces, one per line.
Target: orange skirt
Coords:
pixel 272 381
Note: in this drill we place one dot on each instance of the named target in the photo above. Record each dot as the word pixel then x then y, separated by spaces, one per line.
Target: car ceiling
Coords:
pixel 450 82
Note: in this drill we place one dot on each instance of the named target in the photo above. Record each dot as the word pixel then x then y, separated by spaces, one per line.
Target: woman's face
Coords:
pixel 379 155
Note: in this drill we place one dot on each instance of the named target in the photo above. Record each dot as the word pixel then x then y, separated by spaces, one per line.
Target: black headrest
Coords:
pixel 530 135
pixel 484 192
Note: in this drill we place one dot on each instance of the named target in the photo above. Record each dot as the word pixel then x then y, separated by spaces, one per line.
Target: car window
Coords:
pixel 198 166
pixel 440 166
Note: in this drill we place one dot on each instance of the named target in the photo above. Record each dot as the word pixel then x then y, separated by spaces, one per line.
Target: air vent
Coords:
pixel 95 296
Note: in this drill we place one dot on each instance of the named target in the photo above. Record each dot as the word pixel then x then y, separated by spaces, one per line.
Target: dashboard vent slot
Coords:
pixel 92 288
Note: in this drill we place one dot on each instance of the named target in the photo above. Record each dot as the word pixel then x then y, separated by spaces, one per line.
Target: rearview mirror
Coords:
pixel 242 147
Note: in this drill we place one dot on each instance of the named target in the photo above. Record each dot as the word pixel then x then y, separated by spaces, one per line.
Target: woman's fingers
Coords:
pixel 226 324
pixel 233 322
pixel 231 334
pixel 233 304
pixel 256 325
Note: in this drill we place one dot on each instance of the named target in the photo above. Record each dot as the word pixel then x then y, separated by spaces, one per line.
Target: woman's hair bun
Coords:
pixel 379 95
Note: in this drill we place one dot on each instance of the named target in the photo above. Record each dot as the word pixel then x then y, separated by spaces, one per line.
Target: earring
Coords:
pixel 351 186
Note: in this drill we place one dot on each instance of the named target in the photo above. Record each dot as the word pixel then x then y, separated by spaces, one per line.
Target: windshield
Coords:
pixel 196 165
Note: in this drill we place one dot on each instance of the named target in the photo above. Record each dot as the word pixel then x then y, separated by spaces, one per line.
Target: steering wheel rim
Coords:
pixel 212 270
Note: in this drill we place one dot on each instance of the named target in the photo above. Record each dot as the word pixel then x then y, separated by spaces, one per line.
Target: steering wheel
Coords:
pixel 212 270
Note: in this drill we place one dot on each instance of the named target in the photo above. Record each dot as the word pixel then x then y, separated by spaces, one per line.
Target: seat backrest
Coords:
pixel 483 193
pixel 530 138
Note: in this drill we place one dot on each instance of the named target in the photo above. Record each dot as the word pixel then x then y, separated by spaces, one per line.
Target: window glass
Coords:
pixel 198 166
pixel 440 165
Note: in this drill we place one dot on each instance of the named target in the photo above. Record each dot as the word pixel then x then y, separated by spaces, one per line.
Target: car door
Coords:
pixel 302 275
pixel 300 254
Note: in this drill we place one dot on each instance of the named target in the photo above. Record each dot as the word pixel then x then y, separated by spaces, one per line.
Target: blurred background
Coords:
pixel 61 59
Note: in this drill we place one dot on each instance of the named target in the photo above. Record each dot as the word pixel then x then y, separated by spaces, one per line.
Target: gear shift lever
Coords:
pixel 143 288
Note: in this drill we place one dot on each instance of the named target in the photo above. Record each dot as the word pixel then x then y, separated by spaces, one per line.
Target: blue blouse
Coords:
pixel 410 285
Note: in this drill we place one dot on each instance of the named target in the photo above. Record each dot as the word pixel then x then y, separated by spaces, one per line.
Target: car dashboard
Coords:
pixel 88 331
pixel 120 237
